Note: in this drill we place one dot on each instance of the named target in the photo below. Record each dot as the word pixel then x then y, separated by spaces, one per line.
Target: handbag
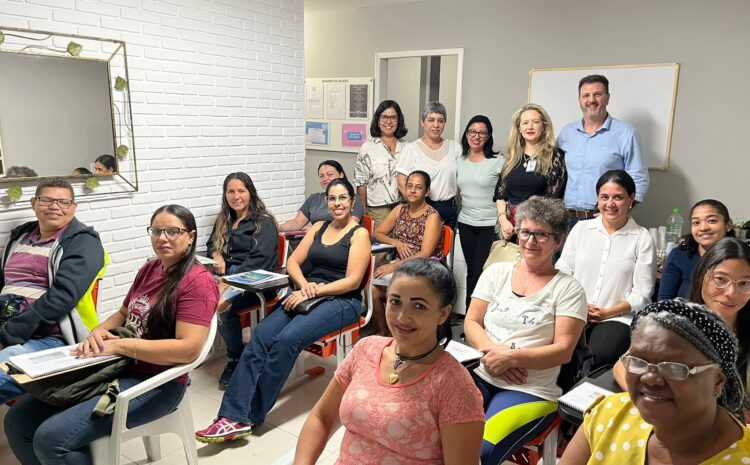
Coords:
pixel 502 251
pixel 307 306
pixel 10 306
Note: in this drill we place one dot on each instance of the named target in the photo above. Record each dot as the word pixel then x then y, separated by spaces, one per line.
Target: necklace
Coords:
pixel 527 159
pixel 402 362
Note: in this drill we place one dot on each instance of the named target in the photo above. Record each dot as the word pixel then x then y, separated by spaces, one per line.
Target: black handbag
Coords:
pixel 307 306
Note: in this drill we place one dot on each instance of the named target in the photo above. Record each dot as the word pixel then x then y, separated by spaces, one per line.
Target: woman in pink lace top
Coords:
pixel 402 400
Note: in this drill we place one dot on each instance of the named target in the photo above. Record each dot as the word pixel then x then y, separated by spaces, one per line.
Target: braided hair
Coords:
pixel 708 333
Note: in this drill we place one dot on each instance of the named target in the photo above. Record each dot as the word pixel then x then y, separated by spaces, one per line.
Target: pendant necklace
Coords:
pixel 402 362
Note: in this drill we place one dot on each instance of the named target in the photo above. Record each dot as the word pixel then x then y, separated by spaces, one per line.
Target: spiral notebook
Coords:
pixel 583 396
pixel 52 361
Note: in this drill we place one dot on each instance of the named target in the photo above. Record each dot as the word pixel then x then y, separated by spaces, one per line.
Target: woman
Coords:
pixel 533 165
pixel 682 385
pixel 81 171
pixel 437 157
pixel 527 318
pixel 105 164
pixel 415 229
pixel 478 172
pixel 337 253
pixel 709 222
pixel 316 208
pixel 721 282
pixel 421 405
pixel 375 171
pixel 171 304
pixel 615 261
pixel 244 238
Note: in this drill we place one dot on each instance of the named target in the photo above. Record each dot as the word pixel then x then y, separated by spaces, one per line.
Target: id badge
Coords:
pixel 531 165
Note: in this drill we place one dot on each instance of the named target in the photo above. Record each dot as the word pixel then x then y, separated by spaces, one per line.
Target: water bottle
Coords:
pixel 674 230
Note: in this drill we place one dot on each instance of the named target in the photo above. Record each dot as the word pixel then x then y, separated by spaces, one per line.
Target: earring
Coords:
pixel 717 394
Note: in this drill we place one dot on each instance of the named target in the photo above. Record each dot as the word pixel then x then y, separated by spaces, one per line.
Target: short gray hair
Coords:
pixel 434 107
pixel 544 210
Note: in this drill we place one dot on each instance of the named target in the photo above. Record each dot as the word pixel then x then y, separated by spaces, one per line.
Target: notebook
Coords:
pixel 51 361
pixel 462 352
pixel 253 277
pixel 583 396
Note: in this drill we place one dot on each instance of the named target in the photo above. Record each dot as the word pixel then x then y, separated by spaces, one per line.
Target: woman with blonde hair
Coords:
pixel 533 165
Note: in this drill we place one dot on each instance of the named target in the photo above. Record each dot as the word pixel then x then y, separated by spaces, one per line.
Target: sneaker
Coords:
pixel 226 375
pixel 223 429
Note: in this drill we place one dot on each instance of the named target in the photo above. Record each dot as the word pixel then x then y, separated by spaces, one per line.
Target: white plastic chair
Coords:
pixel 106 450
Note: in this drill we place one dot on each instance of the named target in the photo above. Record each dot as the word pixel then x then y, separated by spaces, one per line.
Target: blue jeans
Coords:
pixel 9 389
pixel 39 433
pixel 270 355
pixel 229 323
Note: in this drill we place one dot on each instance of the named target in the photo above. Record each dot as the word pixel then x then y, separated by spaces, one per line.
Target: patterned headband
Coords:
pixel 708 332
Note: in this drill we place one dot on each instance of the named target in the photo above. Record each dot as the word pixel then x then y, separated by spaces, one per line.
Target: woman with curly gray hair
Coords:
pixel 526 317
pixel 683 392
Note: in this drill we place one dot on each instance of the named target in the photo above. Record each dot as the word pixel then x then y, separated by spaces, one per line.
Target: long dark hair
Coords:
pixel 488 144
pixel 256 211
pixel 727 248
pixel 401 130
pixel 161 322
pixel 441 281
pixel 688 242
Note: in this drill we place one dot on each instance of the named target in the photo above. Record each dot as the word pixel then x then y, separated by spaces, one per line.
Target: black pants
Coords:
pixel 475 243
pixel 608 341
pixel 447 209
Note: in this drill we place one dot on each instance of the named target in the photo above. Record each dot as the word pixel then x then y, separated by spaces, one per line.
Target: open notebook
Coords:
pixel 583 396
pixel 52 361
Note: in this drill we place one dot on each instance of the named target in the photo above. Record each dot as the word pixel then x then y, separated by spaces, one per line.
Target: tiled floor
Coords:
pixel 277 437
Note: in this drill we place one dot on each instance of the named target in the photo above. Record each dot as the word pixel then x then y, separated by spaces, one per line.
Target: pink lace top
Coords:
pixel 400 424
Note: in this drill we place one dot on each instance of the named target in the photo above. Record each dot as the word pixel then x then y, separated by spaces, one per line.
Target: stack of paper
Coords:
pixel 253 277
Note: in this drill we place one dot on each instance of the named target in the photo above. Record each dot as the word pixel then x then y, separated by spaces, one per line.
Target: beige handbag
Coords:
pixel 502 251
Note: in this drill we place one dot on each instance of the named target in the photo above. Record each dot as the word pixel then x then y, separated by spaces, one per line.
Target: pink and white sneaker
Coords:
pixel 223 429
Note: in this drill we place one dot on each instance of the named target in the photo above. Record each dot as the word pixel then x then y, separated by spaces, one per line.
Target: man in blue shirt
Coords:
pixel 596 144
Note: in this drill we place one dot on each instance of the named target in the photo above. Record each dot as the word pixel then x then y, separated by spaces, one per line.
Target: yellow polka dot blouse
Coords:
pixel 618 435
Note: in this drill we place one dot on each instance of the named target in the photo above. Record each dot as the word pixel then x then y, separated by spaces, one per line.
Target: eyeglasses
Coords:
pixel 723 282
pixel 539 236
pixel 386 118
pixel 171 233
pixel 670 370
pixel 480 134
pixel 343 198
pixel 48 201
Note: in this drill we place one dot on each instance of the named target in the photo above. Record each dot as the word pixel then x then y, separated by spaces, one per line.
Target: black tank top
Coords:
pixel 329 261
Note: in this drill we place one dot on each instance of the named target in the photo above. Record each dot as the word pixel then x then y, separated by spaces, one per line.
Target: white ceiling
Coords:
pixel 316 6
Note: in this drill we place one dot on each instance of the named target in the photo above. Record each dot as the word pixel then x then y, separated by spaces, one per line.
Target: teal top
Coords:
pixel 476 181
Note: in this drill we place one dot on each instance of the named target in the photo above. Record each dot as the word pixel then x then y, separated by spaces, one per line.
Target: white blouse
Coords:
pixel 442 172
pixel 611 268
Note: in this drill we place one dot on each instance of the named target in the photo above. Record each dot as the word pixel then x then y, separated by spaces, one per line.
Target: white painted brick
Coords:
pixel 207 100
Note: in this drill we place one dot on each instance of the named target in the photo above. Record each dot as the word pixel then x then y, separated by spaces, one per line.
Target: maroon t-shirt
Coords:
pixel 195 302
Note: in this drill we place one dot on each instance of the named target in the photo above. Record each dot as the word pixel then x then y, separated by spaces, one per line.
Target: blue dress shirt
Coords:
pixel 614 146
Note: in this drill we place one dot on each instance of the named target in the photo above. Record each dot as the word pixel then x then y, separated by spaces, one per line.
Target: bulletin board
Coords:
pixel 338 113
pixel 642 95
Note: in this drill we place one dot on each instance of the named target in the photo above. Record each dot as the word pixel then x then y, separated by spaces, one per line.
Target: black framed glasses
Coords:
pixel 539 236
pixel 171 233
pixel 480 134
pixel 721 281
pixel 391 118
pixel 670 370
pixel 48 201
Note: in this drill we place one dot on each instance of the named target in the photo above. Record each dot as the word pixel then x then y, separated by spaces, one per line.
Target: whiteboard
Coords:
pixel 338 113
pixel 642 95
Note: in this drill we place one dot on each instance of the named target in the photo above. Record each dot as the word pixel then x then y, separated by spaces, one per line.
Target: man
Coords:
pixel 47 270
pixel 596 144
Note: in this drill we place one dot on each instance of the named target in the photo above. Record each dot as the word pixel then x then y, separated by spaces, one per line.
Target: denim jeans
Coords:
pixel 270 355
pixel 229 323
pixel 39 433
pixel 9 389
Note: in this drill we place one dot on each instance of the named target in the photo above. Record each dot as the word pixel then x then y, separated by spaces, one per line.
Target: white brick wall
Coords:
pixel 216 87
